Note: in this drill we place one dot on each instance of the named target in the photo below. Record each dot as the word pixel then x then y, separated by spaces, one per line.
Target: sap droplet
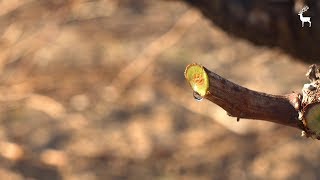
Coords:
pixel 197 96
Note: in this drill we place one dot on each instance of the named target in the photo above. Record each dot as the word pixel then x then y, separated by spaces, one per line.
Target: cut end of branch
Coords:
pixel 197 78
pixel 312 119
pixel 310 103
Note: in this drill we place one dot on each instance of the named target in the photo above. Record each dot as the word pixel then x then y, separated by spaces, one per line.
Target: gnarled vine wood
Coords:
pixel 299 110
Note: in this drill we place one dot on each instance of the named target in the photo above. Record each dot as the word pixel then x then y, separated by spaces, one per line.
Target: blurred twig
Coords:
pixel 151 52
pixel 9 6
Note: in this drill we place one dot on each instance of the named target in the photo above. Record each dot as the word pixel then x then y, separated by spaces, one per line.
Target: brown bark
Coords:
pixel 244 103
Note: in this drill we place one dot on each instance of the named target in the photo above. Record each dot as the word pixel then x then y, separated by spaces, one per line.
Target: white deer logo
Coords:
pixel 304 19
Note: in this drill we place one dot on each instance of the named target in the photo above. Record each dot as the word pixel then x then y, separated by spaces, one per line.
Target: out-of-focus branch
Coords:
pixel 151 52
pixel 270 22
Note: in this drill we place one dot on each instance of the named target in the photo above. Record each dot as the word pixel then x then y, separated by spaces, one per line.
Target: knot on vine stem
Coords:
pixel 310 103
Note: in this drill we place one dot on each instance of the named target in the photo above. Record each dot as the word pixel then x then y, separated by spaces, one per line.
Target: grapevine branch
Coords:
pixel 241 102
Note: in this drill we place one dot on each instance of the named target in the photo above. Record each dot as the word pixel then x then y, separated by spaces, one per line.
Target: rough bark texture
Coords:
pixel 309 112
pixel 270 22
pixel 300 110
pixel 244 103
pixel 241 102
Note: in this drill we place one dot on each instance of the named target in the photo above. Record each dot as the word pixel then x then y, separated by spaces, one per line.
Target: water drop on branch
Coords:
pixel 197 96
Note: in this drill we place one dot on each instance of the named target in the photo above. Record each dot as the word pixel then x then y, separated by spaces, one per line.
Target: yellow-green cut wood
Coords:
pixel 197 78
pixel 312 118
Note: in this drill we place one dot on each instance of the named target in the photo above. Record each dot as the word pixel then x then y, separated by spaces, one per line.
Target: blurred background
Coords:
pixel 95 90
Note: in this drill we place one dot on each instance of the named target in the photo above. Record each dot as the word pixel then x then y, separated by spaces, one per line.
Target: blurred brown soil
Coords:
pixel 95 90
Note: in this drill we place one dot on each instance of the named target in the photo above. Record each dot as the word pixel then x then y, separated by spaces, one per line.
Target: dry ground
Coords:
pixel 95 90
